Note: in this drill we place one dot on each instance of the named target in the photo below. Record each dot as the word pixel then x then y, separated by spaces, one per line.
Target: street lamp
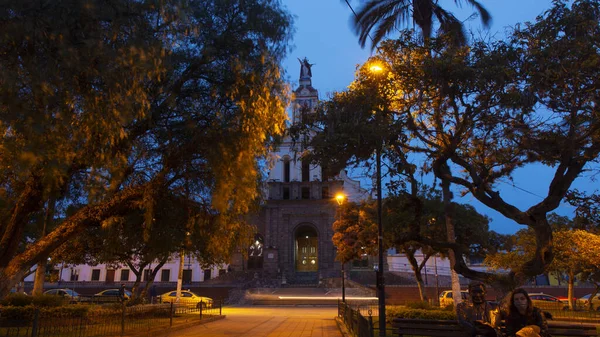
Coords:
pixel 376 68
pixel 340 200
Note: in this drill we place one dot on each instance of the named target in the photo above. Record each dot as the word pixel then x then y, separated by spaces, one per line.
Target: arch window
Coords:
pixel 286 170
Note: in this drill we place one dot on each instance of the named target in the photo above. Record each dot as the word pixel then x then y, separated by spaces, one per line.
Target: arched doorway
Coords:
pixel 306 245
pixel 255 253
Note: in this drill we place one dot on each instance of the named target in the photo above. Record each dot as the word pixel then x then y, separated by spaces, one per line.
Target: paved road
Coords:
pixel 269 322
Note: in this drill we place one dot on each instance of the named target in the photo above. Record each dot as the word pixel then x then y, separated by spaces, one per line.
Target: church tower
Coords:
pixel 293 243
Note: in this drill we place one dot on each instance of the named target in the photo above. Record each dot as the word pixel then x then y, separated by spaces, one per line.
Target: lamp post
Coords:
pixel 380 279
pixel 378 69
pixel 340 200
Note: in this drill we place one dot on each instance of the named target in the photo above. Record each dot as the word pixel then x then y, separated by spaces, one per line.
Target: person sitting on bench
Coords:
pixel 523 319
pixel 477 316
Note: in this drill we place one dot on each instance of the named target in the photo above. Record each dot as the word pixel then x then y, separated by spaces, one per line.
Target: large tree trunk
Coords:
pixel 151 278
pixel 416 267
pixel 92 215
pixel 571 290
pixel 40 272
pixel 180 275
pixel 451 237
pixel 139 273
pixel 30 201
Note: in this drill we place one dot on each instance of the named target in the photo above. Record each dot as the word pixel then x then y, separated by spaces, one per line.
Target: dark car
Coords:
pixel 110 295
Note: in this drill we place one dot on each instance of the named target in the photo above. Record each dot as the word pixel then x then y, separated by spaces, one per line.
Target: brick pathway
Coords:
pixel 269 322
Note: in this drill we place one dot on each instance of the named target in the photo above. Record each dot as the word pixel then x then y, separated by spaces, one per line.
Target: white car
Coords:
pixel 72 295
pixel 584 301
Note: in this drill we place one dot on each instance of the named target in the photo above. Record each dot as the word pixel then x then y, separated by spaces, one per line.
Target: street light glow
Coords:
pixel 376 68
pixel 340 198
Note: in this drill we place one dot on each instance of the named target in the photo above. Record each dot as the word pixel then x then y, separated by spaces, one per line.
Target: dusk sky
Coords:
pixel 325 36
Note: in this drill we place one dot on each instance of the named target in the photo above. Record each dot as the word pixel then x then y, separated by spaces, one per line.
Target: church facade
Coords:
pixel 294 227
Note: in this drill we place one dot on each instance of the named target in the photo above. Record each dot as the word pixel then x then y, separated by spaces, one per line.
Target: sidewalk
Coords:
pixel 269 322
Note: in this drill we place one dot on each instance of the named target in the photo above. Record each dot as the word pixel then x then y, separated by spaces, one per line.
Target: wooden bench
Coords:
pixel 427 327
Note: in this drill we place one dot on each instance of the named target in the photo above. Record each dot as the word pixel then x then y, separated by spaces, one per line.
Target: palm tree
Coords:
pixel 383 16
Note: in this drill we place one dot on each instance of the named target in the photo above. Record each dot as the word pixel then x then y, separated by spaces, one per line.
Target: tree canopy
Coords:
pixel 113 108
pixel 479 113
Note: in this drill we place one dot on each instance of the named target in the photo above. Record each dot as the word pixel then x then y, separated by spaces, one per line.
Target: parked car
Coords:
pixel 584 301
pixel 547 302
pixel 187 298
pixel 565 299
pixel 72 295
pixel 109 295
pixel 446 297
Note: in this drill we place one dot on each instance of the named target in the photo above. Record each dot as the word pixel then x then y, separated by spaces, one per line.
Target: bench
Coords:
pixel 404 327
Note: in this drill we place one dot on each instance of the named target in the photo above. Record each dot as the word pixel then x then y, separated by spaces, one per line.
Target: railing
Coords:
pixel 111 320
pixel 357 324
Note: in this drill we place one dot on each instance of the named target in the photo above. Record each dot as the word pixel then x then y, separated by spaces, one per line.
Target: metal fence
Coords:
pixel 116 320
pixel 359 325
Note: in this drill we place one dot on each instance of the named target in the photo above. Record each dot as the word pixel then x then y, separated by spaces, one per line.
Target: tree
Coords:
pixel 384 16
pixel 477 114
pixel 576 254
pixel 355 231
pixel 115 107
pixel 405 217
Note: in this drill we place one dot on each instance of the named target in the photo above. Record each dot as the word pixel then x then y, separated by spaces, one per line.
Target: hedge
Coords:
pixel 419 314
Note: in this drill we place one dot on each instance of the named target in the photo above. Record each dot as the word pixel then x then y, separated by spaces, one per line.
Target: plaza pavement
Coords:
pixel 269 321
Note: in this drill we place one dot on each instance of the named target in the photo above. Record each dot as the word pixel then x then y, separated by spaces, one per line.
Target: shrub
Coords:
pixel 18 312
pixel 17 300
pixel 420 305
pixel 419 314
pixel 48 300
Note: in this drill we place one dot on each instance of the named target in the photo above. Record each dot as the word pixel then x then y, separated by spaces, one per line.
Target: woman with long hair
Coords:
pixel 523 319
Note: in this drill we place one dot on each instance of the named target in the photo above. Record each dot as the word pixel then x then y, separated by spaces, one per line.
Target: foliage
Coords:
pixel 355 231
pixel 21 300
pixel 17 300
pixel 385 16
pixel 479 113
pixel 115 110
pixel 420 305
pixel 472 229
pixel 576 251
pixel 587 209
pixel 400 312
pixel 27 312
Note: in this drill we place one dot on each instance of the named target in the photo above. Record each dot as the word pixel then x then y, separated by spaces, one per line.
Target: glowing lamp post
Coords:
pixel 340 200
pixel 378 69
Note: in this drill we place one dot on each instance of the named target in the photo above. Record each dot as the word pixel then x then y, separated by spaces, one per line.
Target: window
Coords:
pixel 324 174
pixel 325 192
pixel 125 275
pixel 147 274
pixel 187 276
pixel 305 192
pixel 95 274
pixel 207 274
pixel 74 274
pixel 286 170
pixel 165 275
pixel 222 271
pixel 286 193
pixel 305 170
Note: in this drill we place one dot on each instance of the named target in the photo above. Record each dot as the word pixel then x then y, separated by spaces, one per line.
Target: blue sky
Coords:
pixel 325 36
